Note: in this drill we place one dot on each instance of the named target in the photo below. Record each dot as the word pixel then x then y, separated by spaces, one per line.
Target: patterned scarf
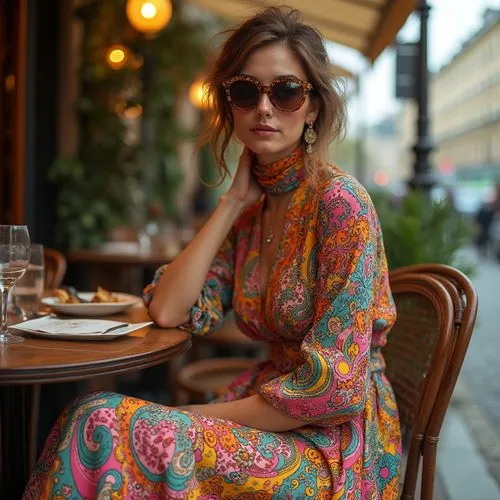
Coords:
pixel 283 175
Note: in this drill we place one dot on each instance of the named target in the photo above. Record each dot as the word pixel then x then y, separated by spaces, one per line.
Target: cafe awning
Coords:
pixel 367 26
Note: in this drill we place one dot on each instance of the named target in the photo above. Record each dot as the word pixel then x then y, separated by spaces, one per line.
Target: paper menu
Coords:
pixel 72 326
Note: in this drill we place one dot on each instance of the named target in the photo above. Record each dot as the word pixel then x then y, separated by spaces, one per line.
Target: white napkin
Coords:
pixel 59 326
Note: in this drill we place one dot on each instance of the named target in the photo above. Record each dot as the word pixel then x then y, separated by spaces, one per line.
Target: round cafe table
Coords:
pixel 42 361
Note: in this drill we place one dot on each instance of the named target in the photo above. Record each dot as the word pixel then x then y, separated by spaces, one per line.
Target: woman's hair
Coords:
pixel 272 25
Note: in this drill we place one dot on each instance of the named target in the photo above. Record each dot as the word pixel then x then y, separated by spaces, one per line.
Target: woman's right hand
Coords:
pixel 245 187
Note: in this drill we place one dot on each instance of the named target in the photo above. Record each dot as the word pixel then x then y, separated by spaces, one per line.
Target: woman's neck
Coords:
pixel 265 159
pixel 277 203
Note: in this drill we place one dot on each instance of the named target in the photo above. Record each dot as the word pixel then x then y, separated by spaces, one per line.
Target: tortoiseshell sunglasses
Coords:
pixel 286 93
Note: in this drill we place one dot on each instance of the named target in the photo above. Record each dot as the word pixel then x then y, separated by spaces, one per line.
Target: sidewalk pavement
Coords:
pixel 467 451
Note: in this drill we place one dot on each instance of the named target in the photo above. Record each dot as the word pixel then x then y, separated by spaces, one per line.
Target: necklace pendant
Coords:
pixel 269 238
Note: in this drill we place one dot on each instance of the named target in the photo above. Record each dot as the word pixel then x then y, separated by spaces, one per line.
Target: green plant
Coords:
pixel 126 161
pixel 86 213
pixel 418 230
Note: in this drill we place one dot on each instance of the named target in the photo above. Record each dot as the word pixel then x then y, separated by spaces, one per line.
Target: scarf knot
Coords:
pixel 281 176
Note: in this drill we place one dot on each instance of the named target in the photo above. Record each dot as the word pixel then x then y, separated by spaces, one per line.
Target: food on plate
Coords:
pixel 102 296
pixel 66 297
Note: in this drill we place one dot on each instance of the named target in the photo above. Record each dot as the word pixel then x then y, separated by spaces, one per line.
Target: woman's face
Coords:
pixel 252 126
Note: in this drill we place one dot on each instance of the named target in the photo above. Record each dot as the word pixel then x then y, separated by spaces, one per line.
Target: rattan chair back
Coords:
pixel 416 356
pixel 465 304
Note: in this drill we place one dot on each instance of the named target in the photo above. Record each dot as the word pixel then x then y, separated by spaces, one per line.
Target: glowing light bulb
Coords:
pixel 149 16
pixel 117 56
pixel 148 10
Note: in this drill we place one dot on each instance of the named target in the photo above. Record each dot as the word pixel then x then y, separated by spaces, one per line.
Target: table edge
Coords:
pixel 71 373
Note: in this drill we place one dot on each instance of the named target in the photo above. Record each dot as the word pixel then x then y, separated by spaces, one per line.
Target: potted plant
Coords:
pixel 418 229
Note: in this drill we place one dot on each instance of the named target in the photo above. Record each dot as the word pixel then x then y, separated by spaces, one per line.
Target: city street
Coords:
pixel 469 456
pixel 481 370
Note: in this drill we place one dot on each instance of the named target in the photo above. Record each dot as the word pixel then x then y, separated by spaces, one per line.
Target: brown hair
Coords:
pixel 272 25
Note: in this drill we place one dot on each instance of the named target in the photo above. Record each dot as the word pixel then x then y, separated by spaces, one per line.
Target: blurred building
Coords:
pixel 465 109
pixel 382 155
pixel 465 105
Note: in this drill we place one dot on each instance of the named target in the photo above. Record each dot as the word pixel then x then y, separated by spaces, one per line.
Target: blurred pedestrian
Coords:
pixel 496 202
pixel 484 220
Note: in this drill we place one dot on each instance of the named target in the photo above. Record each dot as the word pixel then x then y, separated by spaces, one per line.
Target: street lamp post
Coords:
pixel 423 176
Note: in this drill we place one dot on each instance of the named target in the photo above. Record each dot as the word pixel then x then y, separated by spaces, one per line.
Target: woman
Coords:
pixel 295 248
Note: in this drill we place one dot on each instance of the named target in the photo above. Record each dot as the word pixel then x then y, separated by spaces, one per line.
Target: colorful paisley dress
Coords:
pixel 325 314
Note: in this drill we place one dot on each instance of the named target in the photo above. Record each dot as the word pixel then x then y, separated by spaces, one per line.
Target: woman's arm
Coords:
pixel 253 412
pixel 181 282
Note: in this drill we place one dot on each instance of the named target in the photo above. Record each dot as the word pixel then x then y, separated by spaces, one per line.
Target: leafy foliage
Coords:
pixel 125 163
pixel 418 230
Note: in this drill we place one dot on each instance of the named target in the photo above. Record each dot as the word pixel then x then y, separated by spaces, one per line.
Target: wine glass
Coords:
pixel 29 289
pixel 14 260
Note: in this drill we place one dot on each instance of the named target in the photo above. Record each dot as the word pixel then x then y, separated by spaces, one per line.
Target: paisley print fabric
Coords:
pixel 326 312
pixel 281 176
pixel 216 296
pixel 110 446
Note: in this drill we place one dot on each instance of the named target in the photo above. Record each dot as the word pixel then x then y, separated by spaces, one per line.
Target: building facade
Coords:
pixel 465 109
pixel 465 106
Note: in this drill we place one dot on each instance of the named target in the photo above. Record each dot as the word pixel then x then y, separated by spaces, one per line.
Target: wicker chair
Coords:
pixel 416 355
pixel 197 379
pixel 465 304
pixel 55 268
pixel 437 307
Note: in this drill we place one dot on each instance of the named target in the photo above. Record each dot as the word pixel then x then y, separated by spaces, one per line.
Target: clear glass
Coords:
pixel 14 260
pixel 29 289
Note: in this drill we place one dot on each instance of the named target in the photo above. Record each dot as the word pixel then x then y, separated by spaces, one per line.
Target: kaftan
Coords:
pixel 326 312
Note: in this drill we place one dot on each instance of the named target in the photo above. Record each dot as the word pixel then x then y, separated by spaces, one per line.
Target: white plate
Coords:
pixel 120 332
pixel 75 336
pixel 89 309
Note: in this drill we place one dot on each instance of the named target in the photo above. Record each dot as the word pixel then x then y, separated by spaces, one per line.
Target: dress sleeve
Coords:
pixel 216 296
pixel 331 385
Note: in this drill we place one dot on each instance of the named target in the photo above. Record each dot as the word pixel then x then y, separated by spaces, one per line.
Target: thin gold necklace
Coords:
pixel 270 232
pixel 270 236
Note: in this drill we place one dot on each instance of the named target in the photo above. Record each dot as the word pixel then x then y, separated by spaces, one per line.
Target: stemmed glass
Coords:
pixel 14 260
pixel 28 290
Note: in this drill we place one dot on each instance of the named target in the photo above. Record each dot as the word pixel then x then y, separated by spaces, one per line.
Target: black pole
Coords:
pixel 423 176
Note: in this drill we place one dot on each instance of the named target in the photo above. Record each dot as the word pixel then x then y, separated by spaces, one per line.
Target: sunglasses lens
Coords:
pixel 244 94
pixel 287 95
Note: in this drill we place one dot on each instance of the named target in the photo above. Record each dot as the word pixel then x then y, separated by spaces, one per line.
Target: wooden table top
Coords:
pixel 149 259
pixel 40 360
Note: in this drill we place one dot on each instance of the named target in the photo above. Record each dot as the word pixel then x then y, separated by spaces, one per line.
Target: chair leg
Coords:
pixel 178 395
pixel 429 468
pixel 411 473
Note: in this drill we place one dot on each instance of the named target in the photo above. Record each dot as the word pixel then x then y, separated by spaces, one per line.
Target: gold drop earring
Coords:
pixel 310 137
